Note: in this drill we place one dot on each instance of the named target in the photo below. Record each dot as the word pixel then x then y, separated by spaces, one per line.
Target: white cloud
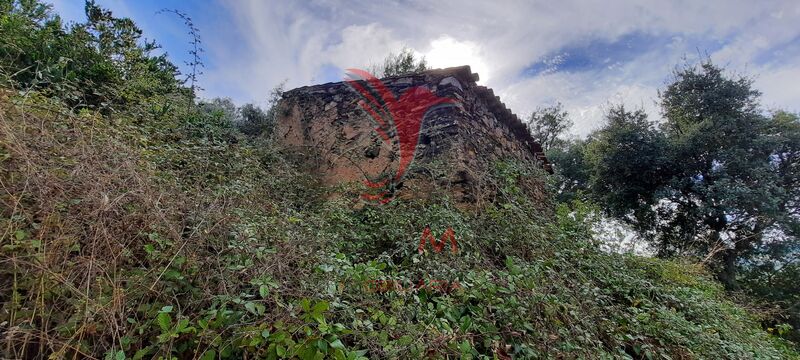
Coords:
pixel 779 87
pixel 254 45
pixel 585 96
pixel 362 46
pixel 448 52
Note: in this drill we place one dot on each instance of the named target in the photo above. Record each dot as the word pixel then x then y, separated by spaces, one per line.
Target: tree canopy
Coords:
pixel 716 180
pixel 548 124
pixel 404 62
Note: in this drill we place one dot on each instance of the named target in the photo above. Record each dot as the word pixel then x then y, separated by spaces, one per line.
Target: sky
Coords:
pixel 585 54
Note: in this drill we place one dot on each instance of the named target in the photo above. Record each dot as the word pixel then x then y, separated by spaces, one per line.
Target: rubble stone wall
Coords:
pixel 326 126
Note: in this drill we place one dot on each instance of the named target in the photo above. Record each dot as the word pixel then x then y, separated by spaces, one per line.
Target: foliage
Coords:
pixel 402 63
pixel 253 121
pixel 626 161
pixel 548 124
pixel 571 177
pixel 160 231
pixel 716 180
pixel 99 64
pixel 222 250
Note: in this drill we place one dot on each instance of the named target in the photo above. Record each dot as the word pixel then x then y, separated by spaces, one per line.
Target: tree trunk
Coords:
pixel 726 270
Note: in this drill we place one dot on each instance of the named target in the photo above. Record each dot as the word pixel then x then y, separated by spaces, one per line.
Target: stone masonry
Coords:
pixel 325 125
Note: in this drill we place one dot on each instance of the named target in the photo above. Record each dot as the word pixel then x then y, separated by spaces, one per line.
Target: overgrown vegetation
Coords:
pixel 146 228
pixel 717 181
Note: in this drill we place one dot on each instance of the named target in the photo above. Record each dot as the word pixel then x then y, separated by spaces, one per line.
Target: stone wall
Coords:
pixel 325 125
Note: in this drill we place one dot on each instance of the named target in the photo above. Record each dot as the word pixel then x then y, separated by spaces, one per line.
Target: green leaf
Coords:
pixel 182 325
pixel 226 352
pixel 173 274
pixel 465 347
pixel 164 321
pixel 272 352
pixel 251 307
pixel 305 305
pixel 310 353
pixel 466 322
pixel 209 355
pixel 337 344
pixel 255 341
pixel 179 260
pixel 322 345
pixel 254 308
pixel 320 307
pixel 263 290
pixel 323 327
pixel 141 353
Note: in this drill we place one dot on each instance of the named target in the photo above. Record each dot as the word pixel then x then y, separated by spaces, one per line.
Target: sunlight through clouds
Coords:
pixel 533 53
pixel 448 52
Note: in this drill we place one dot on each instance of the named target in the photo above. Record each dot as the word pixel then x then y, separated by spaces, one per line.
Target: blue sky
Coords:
pixel 585 54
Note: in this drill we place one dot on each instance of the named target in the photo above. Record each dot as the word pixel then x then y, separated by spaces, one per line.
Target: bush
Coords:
pixel 146 229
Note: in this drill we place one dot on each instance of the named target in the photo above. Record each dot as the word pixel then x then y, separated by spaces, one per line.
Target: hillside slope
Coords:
pixel 162 233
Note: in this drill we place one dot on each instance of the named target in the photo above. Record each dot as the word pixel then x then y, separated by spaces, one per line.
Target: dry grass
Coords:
pixel 104 226
pixel 74 204
pixel 78 208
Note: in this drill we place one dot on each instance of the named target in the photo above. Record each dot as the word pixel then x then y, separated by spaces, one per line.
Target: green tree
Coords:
pixel 571 176
pixel 402 63
pixel 100 63
pixel 252 120
pixel 548 125
pixel 728 159
pixel 712 181
pixel 626 161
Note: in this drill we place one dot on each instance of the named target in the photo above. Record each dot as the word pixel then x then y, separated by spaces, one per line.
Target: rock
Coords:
pixel 451 81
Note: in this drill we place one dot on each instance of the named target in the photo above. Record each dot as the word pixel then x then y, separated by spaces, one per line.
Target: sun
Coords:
pixel 446 51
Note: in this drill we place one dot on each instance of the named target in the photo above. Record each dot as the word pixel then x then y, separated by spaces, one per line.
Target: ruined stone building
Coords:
pixel 345 132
